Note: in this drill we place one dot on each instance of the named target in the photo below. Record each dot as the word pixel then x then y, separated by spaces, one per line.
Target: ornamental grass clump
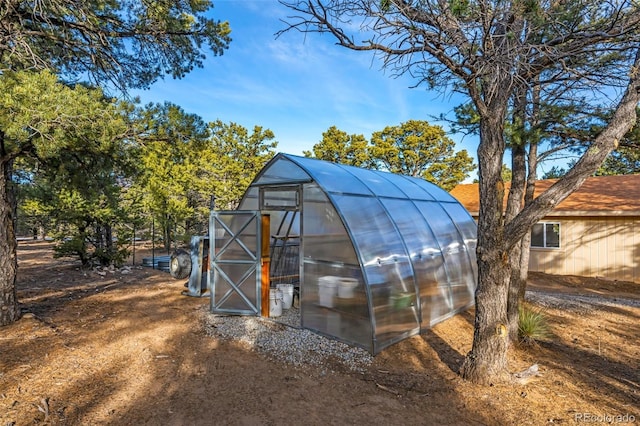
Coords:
pixel 533 324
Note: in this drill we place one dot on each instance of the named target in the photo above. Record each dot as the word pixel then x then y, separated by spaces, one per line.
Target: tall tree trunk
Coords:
pixel 83 253
pixel 9 310
pixel 517 282
pixel 515 203
pixel 108 235
pixel 166 231
pixel 522 251
pixel 487 361
pixel 98 240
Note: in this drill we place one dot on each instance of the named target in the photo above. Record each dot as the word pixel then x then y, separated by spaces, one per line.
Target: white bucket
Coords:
pixel 287 295
pixel 327 290
pixel 275 303
pixel 346 287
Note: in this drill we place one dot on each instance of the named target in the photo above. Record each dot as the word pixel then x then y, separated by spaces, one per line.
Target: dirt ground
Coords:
pixel 128 348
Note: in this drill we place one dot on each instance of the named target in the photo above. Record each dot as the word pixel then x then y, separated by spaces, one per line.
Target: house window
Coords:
pixel 545 235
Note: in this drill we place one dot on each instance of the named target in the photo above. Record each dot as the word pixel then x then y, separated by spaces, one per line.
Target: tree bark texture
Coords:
pixel 514 206
pixel 520 257
pixel 487 361
pixel 9 310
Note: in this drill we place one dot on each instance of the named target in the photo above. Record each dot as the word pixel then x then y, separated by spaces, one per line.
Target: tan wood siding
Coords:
pixel 601 246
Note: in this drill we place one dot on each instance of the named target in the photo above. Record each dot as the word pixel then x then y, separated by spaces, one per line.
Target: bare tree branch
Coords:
pixel 623 119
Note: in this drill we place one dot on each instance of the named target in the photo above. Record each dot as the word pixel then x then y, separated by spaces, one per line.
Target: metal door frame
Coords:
pixel 217 262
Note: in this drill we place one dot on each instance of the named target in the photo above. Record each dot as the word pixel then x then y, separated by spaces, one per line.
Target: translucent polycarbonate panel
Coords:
pixel 394 302
pixel 447 235
pixel 460 272
pixel 334 302
pixel 386 267
pixel 379 183
pixel 374 233
pixel 332 177
pixel 412 187
pixel 235 288
pixel 467 227
pixel 461 278
pixel 250 199
pixel 281 170
pixel 313 192
pixel 332 291
pixel 325 237
pixel 463 220
pixel 227 230
pixel 426 259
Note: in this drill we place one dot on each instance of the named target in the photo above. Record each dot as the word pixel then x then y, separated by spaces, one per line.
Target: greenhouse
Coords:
pixel 372 257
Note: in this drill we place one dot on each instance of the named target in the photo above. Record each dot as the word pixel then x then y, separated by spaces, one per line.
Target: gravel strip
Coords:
pixel 579 303
pixel 284 341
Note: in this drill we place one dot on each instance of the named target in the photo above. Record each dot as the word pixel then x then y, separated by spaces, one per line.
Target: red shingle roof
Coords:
pixel 598 194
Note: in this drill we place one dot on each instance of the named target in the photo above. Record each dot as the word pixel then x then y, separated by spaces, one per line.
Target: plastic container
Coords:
pixel 346 287
pixel 287 295
pixel 327 290
pixel 275 303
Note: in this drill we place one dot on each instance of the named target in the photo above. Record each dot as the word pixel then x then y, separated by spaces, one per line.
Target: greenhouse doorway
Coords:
pixel 256 252
pixel 282 203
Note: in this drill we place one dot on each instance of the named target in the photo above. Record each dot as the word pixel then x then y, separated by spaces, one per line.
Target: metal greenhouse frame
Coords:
pixel 375 257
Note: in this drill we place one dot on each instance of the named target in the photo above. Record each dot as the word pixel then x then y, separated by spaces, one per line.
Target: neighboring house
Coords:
pixel 593 232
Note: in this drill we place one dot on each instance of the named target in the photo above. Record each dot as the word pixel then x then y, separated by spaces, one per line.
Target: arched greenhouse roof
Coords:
pixel 408 244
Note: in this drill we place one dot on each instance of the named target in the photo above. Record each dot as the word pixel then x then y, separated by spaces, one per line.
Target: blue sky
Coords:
pixel 297 85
